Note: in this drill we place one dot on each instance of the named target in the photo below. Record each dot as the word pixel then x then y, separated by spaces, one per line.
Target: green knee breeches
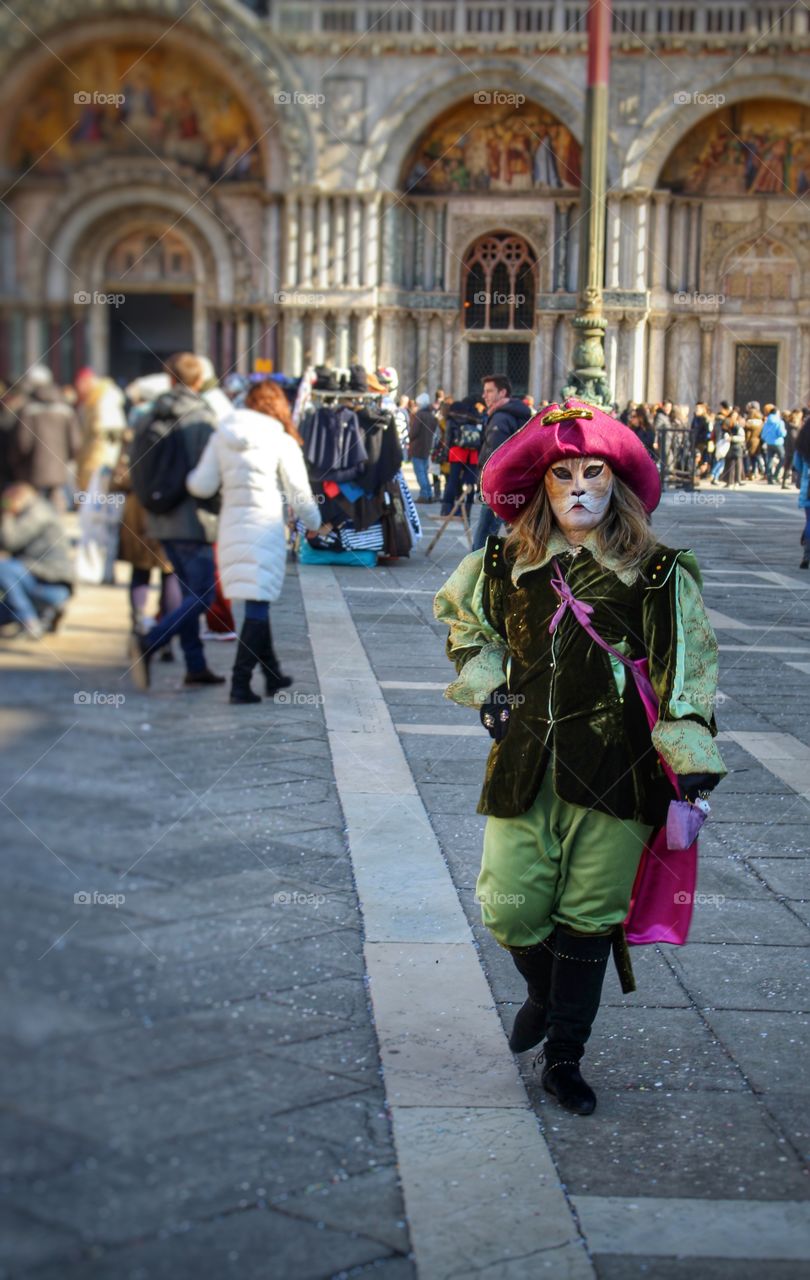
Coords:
pixel 557 864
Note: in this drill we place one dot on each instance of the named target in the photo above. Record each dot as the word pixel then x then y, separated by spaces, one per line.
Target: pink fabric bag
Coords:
pixel 664 891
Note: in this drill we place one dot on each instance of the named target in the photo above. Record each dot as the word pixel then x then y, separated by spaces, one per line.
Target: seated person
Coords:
pixel 36 574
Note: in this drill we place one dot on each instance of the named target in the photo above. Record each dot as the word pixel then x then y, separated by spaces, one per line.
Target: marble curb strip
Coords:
pixel 481 1191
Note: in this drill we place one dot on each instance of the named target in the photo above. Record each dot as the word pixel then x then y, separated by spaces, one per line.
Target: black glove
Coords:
pixel 495 713
pixel 691 784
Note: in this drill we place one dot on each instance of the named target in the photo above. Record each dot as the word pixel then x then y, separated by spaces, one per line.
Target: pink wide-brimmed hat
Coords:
pixel 514 472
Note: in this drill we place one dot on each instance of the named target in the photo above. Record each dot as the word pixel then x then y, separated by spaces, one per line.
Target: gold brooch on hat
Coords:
pixel 564 415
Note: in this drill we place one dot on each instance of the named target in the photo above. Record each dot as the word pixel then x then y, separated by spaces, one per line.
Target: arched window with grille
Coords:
pixel 499 283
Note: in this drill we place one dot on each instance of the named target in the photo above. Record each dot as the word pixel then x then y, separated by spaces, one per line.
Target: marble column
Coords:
pixel 639 243
pixel 421 363
pixel 439 247
pixel 428 263
pixel 419 247
pixel 340 264
pixel 449 325
pixel 324 243
pixel 656 357
pixel 366 340
pixel 390 214
pixel 635 343
pixel 317 338
pixel 679 214
pixel 705 381
pixel 561 219
pixel 693 273
pixel 612 323
pixel 274 263
pixel 307 240
pixel 660 246
pixel 543 386
pixel 803 389
pixel 354 234
pixel 342 339
pixel 371 241
pixel 433 375
pixel 387 353
pixel 613 243
pixel 293 343
pixel 291 234
pixel 242 354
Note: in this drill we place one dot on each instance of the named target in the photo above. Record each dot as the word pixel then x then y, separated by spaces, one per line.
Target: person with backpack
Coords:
pixel 168 444
pixel 505 415
pixel 773 443
pixel 463 432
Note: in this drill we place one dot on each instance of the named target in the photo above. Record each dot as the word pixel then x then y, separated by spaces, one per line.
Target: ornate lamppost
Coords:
pixel 587 379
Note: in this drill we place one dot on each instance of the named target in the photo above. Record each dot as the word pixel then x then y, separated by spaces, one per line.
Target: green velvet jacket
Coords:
pixel 573 703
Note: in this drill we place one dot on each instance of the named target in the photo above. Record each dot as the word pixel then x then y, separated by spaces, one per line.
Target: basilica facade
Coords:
pixel 282 184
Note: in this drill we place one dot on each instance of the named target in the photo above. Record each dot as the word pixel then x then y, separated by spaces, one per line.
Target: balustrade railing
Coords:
pixel 493 20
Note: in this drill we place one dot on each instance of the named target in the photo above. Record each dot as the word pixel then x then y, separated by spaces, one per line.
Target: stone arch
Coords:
pixel 669 124
pixel 499 261
pixel 85 213
pixel 232 46
pixel 407 116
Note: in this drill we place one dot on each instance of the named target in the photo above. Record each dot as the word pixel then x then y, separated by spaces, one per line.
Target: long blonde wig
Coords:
pixel 624 535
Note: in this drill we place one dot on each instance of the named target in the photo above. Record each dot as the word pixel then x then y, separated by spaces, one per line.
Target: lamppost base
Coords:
pixel 587 380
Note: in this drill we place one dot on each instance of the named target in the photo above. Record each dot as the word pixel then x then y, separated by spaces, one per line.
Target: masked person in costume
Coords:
pixel 549 630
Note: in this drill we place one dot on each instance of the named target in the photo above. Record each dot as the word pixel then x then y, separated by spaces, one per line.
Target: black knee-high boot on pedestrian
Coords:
pixel 273 677
pixel 248 653
pixel 535 964
pixel 577 975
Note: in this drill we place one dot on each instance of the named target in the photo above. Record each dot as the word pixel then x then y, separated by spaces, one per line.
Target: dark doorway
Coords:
pixel 147 328
pixel 755 373
pixel 509 358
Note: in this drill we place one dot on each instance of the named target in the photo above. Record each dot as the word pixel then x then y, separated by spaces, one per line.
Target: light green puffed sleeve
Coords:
pixel 684 732
pixel 474 646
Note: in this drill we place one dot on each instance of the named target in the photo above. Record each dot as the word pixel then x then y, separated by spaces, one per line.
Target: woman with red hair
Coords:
pixel 255 458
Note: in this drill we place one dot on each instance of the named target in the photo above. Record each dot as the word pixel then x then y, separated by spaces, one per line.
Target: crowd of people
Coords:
pixel 450 441
pixel 173 468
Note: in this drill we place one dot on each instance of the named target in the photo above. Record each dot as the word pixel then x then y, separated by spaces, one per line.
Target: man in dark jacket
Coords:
pixel 35 569
pixel 423 429
pixel 187 532
pixel 47 438
pixel 505 414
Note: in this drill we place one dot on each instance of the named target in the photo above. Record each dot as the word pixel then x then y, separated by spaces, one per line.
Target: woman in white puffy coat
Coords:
pixel 255 458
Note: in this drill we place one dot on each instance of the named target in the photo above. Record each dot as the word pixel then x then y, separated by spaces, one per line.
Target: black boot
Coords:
pixel 577 975
pixel 273 677
pixel 248 653
pixel 535 965
pixel 805 564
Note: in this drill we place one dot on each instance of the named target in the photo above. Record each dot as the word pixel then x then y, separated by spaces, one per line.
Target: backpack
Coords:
pixel 158 465
pixel 470 435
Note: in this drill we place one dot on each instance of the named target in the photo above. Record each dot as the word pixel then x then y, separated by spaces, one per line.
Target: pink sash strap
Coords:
pixel 662 898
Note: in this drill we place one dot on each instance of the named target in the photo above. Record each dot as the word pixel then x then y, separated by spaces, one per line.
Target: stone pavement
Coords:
pixel 193 1075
